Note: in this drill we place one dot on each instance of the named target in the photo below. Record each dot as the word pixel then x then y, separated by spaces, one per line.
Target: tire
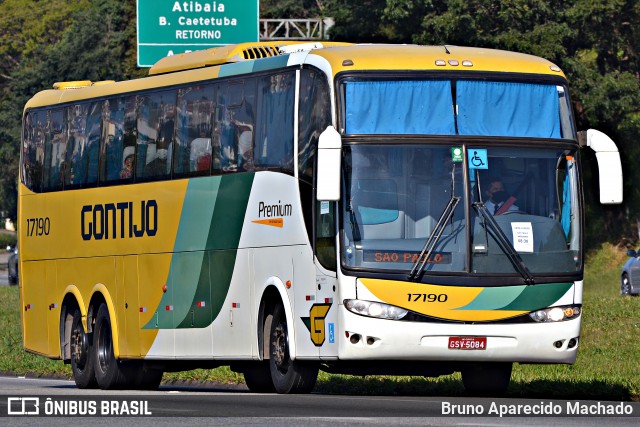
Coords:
pixel 487 379
pixel 288 376
pixel 257 376
pixel 625 285
pixel 148 377
pixel 81 354
pixel 13 280
pixel 110 373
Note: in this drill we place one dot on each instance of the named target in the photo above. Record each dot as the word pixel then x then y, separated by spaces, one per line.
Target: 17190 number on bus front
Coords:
pixel 427 297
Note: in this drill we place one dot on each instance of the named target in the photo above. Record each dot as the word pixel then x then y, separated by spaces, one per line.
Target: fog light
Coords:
pixel 557 344
pixel 355 338
pixel 572 343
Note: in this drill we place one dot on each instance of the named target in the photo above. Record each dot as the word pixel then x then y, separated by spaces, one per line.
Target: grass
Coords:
pixel 606 369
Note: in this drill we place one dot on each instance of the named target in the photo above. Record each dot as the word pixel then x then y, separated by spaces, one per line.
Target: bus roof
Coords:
pixel 436 58
pixel 342 57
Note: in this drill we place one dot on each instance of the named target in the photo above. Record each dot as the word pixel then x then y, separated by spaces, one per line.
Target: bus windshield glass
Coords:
pixel 396 194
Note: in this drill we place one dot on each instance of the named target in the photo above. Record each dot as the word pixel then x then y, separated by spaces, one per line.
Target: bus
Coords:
pixel 281 208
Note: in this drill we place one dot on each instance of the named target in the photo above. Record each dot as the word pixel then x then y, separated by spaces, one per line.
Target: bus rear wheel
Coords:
pixel 110 373
pixel 81 357
pixel 288 376
pixel 487 378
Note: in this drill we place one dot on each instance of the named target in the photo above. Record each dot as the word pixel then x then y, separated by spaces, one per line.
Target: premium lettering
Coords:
pixel 275 210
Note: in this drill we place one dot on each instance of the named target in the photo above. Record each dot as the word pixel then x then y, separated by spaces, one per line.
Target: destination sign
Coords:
pixel 405 257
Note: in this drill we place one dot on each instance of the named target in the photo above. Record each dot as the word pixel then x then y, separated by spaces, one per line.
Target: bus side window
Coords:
pixel 314 116
pixel 155 135
pixel 76 157
pixel 235 127
pixel 127 157
pixel 33 147
pixel 94 120
pixel 193 131
pixel 274 140
pixel 55 147
pixel 326 235
pixel 112 139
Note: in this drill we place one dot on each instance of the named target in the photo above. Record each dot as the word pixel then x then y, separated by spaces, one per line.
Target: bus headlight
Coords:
pixel 375 309
pixel 556 314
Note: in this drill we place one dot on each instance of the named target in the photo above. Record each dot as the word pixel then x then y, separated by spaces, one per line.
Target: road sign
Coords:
pixel 170 27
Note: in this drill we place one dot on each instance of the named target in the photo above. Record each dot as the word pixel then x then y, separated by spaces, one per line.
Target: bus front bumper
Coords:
pixel 365 338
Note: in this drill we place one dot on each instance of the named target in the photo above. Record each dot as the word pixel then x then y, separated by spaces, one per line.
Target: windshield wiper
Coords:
pixel 432 241
pixel 504 243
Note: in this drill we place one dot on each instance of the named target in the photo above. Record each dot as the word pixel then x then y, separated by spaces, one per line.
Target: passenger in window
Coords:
pixel 228 142
pixel 127 163
pixel 200 153
pixel 245 140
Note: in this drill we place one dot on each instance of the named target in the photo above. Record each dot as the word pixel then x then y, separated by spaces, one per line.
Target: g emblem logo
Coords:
pixel 315 323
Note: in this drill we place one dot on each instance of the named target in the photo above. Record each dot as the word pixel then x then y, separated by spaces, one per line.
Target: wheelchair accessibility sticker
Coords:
pixel 478 158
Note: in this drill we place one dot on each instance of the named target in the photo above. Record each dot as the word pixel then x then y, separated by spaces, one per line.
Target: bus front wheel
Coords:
pixel 257 376
pixel 288 376
pixel 110 373
pixel 81 357
pixel 487 378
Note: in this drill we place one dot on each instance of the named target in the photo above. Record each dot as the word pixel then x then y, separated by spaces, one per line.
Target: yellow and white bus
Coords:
pixel 281 208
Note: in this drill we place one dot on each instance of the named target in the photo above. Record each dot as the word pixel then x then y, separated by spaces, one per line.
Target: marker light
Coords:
pixel 375 309
pixel 556 314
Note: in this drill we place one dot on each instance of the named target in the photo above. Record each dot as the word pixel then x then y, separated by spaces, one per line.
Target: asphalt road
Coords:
pixel 172 405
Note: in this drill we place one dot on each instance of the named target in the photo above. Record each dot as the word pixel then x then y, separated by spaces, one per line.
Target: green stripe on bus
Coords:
pixel 518 298
pixel 539 296
pixel 203 260
pixel 494 298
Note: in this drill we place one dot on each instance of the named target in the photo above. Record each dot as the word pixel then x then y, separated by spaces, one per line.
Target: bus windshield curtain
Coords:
pixel 399 107
pixel 507 109
pixel 569 198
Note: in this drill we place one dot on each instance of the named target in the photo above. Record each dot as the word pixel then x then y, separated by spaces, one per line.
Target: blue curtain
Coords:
pixel 565 217
pixel 399 107
pixel 508 109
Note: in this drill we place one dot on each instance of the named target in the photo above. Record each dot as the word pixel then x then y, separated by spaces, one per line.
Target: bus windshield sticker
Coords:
pixel 522 236
pixel 456 154
pixel 478 158
pixel 324 208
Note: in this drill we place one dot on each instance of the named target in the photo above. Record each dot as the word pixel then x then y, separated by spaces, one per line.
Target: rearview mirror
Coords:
pixel 329 160
pixel 609 166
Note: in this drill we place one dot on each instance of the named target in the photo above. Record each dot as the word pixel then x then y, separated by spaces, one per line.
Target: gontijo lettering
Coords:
pixel 119 220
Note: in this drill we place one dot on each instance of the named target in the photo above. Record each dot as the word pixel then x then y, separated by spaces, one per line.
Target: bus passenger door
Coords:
pixel 326 281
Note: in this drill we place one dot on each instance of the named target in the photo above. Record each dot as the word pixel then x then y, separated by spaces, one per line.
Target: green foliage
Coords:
pixel 7 239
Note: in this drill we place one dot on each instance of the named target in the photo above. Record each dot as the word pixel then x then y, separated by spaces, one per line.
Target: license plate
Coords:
pixel 467 343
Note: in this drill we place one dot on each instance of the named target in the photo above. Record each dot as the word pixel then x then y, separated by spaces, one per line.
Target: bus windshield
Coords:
pixel 396 193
